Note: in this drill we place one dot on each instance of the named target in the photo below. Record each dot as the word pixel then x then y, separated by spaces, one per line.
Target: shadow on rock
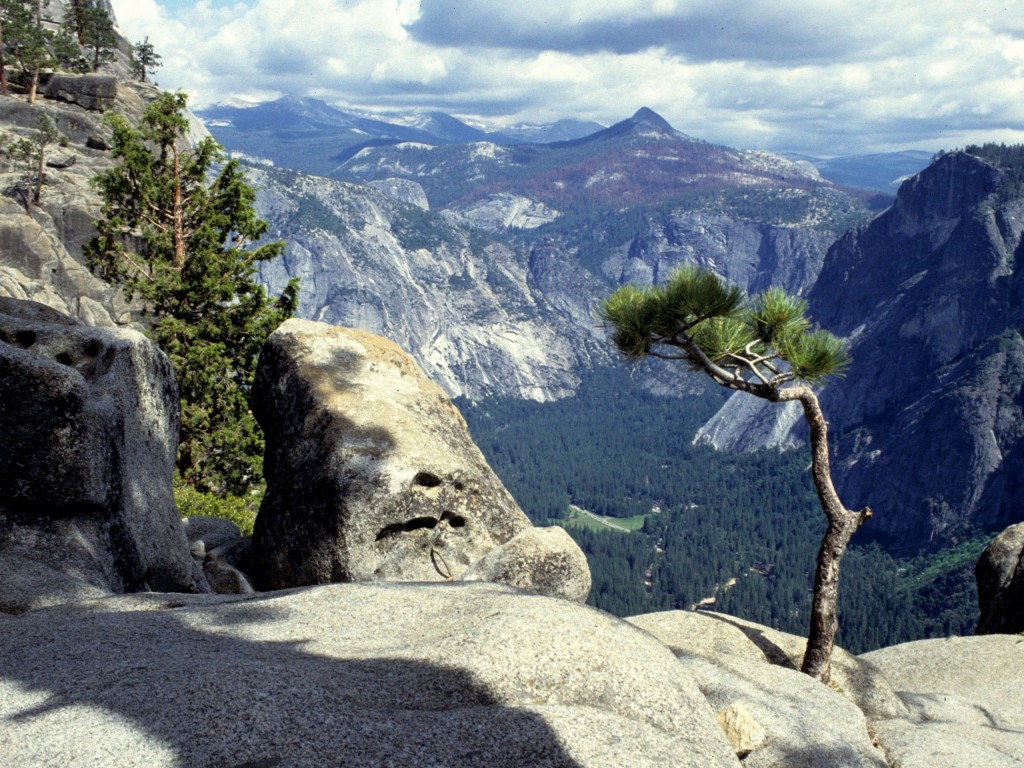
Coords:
pixel 177 685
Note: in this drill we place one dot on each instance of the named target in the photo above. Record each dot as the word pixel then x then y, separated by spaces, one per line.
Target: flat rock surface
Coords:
pixel 787 709
pixel 965 697
pixel 359 675
pixel 708 632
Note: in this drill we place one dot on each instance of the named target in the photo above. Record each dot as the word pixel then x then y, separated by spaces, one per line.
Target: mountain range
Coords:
pixel 307 134
pixel 485 259
pixel 928 422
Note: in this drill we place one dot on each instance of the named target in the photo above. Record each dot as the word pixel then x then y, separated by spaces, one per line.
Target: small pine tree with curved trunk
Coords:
pixel 764 346
pixel 177 232
pixel 145 59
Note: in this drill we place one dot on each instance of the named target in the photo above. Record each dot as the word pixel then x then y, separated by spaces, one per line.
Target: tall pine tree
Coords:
pixel 177 231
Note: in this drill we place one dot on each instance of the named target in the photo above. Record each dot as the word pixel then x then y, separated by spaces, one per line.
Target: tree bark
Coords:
pixel 34 82
pixel 33 85
pixel 178 215
pixel 40 173
pixel 842 524
pixel 3 63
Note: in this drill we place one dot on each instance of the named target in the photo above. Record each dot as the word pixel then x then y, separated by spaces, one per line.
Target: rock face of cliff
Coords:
pixel 486 262
pixel 41 252
pixel 927 424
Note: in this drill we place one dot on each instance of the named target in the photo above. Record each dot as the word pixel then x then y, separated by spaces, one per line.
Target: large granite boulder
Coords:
pixel 88 432
pixel 966 702
pixel 371 472
pixel 1000 576
pixel 361 675
pixel 93 92
pixel 774 715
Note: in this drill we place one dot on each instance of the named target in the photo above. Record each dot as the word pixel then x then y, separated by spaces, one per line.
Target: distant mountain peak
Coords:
pixel 647 117
pixel 645 123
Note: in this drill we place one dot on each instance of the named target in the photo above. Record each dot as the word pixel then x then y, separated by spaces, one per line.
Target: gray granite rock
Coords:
pixel 774 715
pixel 212 532
pixel 853 676
pixel 93 92
pixel 965 698
pixel 1000 576
pixel 371 472
pixel 225 579
pixel 89 420
pixel 362 675
pixel 543 560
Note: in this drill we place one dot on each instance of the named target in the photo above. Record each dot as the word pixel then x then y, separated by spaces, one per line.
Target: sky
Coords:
pixel 820 77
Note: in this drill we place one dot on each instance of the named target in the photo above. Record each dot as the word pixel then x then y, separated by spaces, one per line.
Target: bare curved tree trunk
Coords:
pixel 842 524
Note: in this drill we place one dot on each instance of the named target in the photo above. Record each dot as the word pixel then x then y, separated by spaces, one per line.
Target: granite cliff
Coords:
pixel 486 260
pixel 927 423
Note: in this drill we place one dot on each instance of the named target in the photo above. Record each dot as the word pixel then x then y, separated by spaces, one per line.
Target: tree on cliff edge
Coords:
pixel 176 232
pixel 763 346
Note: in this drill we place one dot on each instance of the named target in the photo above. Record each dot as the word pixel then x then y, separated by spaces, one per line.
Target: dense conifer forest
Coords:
pixel 732 533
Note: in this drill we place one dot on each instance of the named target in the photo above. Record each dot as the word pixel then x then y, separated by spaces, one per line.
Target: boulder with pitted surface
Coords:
pixel 89 425
pixel 372 474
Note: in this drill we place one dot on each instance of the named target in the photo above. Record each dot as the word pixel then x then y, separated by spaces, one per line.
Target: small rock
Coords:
pixel 97 142
pixel 542 560
pixel 93 92
pixel 225 579
pixel 62 162
pixel 742 731
pixel 235 553
pixel 212 532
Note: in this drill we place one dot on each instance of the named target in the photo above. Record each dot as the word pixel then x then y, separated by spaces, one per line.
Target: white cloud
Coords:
pixel 826 76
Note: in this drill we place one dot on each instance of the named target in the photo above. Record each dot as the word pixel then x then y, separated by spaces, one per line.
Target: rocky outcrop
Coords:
pixel 460 675
pixel 965 697
pixel 1000 575
pixel 507 211
pixel 218 548
pixel 89 419
pixel 927 423
pixel 41 254
pixel 474 676
pixel 96 93
pixel 747 674
pixel 372 475
pixel 404 191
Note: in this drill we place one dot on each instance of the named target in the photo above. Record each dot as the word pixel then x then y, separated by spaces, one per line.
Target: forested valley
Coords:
pixel 689 527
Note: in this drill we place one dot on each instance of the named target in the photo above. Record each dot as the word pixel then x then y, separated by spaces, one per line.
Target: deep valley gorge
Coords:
pixel 486 260
pixel 461 467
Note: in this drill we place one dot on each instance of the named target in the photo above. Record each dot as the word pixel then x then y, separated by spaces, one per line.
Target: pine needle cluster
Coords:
pixel 756 344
